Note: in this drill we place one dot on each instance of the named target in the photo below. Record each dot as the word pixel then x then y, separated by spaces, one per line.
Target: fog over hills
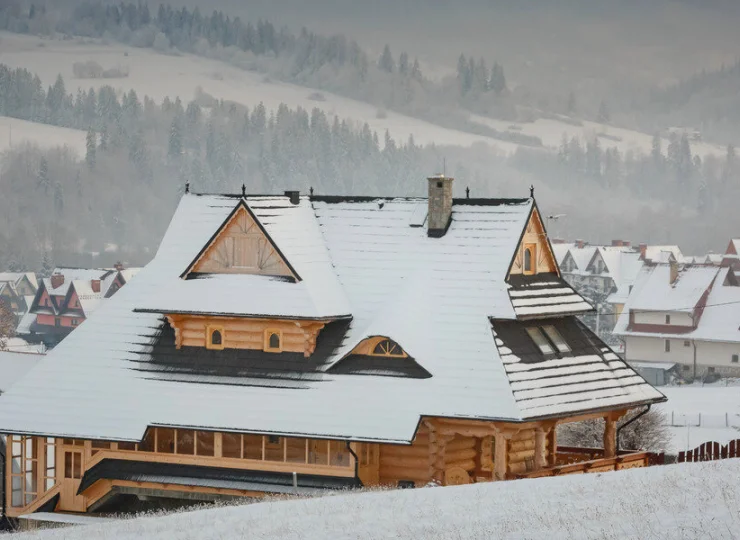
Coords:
pixel 624 114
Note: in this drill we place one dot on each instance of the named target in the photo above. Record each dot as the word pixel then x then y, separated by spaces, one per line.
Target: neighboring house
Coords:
pixel 11 300
pixel 660 254
pixel 68 297
pixel 25 283
pixel 288 344
pixel 689 316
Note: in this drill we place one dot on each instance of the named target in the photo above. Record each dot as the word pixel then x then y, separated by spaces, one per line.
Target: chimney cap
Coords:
pixel 294 196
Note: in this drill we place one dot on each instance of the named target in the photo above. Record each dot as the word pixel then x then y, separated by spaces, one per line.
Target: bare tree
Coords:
pixel 649 432
pixel 7 323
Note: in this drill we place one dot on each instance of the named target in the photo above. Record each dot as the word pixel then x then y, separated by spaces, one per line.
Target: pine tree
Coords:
pixel 463 76
pixel 92 145
pixel 175 141
pixel 47 266
pixel 386 62
pixel 497 83
pixel 104 137
pixel 42 177
pixel 403 64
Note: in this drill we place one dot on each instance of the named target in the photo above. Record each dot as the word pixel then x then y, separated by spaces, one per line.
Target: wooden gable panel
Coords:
pixel 242 247
pixel 535 238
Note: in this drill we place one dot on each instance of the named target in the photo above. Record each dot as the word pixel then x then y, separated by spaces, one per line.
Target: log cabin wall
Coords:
pixel 241 333
pixel 398 463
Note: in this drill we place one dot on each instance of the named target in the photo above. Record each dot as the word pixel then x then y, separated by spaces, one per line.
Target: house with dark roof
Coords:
pixel 68 297
pixel 296 344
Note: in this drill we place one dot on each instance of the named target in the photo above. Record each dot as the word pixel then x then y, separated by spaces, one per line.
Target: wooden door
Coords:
pixel 69 501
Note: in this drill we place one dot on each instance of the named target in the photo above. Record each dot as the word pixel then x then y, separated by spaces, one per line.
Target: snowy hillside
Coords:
pixel 162 75
pixel 14 133
pixel 676 501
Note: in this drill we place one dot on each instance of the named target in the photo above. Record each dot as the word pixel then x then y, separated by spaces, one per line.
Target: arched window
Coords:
pixel 273 341
pixel 529 259
pixel 215 338
pixel 388 347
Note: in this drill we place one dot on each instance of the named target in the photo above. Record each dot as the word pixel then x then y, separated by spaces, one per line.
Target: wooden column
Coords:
pixel 500 457
pixel 553 444
pixel 610 437
pixel 540 448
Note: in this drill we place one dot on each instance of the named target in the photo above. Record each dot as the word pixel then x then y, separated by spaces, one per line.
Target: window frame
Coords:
pixel 668 319
pixel 537 330
pixel 400 354
pixel 210 330
pixel 532 248
pixel 667 346
pixel 269 332
pixel 734 359
pixel 557 333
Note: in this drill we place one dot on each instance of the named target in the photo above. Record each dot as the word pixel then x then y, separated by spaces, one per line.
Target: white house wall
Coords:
pixel 658 317
pixel 708 353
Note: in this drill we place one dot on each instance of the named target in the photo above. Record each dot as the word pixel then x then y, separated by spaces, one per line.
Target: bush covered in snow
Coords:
pixel 649 432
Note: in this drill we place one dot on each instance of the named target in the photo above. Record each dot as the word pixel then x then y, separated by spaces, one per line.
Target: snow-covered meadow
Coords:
pixel 15 133
pixel 674 501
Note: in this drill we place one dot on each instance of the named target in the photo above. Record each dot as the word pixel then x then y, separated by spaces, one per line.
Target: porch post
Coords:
pixel 610 437
pixel 500 458
pixel 540 448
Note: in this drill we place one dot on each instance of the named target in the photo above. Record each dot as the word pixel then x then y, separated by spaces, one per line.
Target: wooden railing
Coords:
pixel 571 460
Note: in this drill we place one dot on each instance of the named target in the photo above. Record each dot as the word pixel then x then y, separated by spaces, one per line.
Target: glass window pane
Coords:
pixel 49 483
pixel 204 443
pixel 68 465
pixel 556 338
pixel 252 446
pixel 166 440
pixel 231 445
pixel 16 467
pixel 30 497
pixel 540 340
pixel 77 468
pixel 185 441
pixel 339 453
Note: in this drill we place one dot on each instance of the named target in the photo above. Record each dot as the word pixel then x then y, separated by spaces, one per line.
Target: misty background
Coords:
pixel 623 116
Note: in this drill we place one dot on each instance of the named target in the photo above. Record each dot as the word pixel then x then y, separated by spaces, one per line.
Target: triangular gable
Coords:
pixel 241 246
pixel 569 259
pixel 534 234
pixel 592 263
pixel 43 299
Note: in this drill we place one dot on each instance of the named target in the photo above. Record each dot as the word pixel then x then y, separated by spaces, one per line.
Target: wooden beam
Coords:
pixel 540 447
pixel 610 437
pixel 500 457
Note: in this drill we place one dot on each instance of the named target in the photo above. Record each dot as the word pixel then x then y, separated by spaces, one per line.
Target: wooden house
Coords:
pixel 293 344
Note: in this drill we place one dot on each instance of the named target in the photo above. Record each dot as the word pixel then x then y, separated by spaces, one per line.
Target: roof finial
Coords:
pixel 310 191
pixel 531 191
pixel 187 187
pixel 467 192
pixel 244 190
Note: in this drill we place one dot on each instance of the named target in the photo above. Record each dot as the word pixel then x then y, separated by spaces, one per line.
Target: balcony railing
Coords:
pixel 573 460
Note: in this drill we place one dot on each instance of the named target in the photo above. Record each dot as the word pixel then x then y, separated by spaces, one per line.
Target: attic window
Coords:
pixel 388 347
pixel 215 338
pixel 540 340
pixel 530 251
pixel 273 341
pixel 552 333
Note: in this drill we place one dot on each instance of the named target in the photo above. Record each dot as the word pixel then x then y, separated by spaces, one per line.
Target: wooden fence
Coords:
pixel 625 460
pixel 710 451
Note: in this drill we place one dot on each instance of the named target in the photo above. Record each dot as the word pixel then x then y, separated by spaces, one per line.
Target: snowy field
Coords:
pixel 15 133
pixel 551 131
pixel 160 75
pixel 676 501
pixel 702 413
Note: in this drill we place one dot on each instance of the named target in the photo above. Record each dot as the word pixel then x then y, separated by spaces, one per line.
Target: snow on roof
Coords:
pixel 661 254
pixel 24 325
pixel 434 296
pixel 582 256
pixel 560 251
pixel 16 277
pixel 664 366
pixel 658 294
pixel 14 365
pixel 20 345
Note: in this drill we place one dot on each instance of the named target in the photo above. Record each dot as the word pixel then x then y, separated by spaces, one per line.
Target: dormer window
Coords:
pixel 215 337
pixel 530 265
pixel 273 341
pixel 388 347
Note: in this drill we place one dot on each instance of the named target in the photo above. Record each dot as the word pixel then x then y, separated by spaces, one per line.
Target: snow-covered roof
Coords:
pixel 434 296
pixel 661 254
pixel 14 365
pixel 657 293
pixel 720 318
pixel 20 345
pixel 582 256
pixel 16 277
pixel 560 251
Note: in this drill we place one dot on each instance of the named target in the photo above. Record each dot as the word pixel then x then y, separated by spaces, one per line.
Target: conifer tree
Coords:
pixel 386 62
pixel 92 145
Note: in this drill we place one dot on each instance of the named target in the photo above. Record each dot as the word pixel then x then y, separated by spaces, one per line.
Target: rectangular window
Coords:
pixel 735 359
pixel 540 340
pixel 127 446
pixel 99 445
pixel 252 446
pixel 57 322
pixel 667 345
pixel 185 442
pixel 556 338
pixel 668 319
pixel 166 440
pixel 687 343
pixel 711 370
pixel 204 443
pixel 685 367
pixel 75 322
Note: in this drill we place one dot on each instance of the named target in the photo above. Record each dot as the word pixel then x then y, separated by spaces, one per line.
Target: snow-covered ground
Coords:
pixel 15 133
pixel 702 413
pixel 160 75
pixel 675 501
pixel 551 131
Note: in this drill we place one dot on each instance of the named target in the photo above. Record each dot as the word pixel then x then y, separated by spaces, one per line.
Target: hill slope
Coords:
pixel 678 501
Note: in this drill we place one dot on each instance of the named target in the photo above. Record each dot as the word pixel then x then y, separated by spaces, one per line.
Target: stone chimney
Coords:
pixel 626 243
pixel 95 285
pixel 57 280
pixel 580 244
pixel 294 196
pixel 673 266
pixel 118 266
pixel 616 243
pixel 643 251
pixel 439 213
